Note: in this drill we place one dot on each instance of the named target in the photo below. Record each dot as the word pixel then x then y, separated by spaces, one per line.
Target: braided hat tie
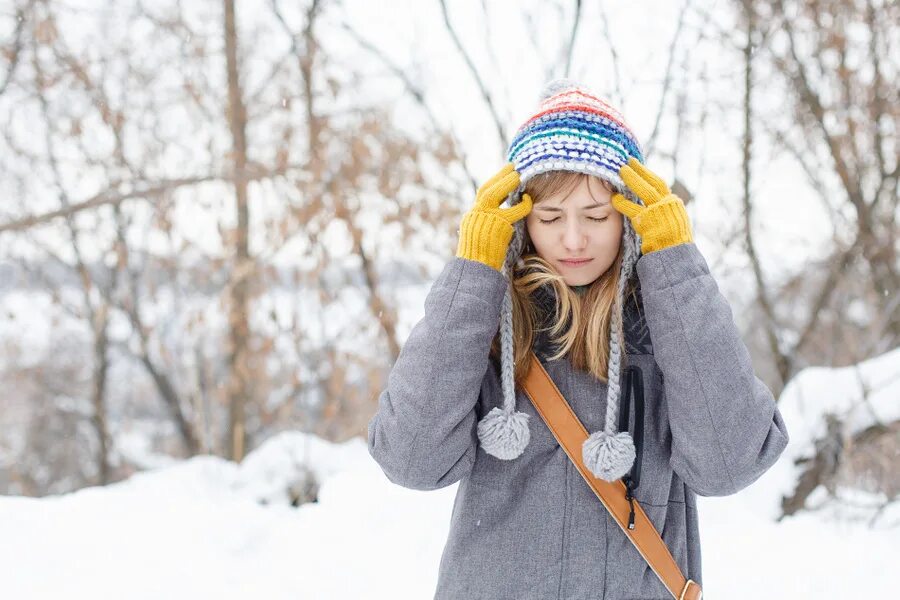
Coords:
pixel 573 130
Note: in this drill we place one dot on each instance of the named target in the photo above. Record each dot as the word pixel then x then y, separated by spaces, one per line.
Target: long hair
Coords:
pixel 579 325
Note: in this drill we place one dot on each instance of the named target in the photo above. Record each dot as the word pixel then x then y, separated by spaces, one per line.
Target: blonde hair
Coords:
pixel 580 324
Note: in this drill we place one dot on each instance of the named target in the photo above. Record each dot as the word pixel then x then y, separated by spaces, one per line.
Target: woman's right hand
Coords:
pixel 487 229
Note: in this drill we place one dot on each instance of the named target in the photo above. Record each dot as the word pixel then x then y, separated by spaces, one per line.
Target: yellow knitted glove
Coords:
pixel 663 222
pixel 487 229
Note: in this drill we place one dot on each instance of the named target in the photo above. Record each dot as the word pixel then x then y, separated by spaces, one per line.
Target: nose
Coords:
pixel 574 236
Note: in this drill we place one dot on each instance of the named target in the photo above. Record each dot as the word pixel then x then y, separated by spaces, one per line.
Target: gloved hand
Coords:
pixel 663 222
pixel 487 229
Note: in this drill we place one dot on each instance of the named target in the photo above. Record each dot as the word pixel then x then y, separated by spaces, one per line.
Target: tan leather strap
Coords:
pixel 571 434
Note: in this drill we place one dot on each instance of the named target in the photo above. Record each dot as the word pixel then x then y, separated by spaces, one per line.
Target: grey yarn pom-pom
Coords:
pixel 555 85
pixel 504 435
pixel 607 454
pixel 503 432
pixel 608 457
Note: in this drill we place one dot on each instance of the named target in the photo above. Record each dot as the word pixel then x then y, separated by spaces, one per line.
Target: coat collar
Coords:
pixel 637 334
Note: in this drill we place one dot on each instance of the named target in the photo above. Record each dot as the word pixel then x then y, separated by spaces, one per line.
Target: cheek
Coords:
pixel 609 237
pixel 536 233
pixel 615 225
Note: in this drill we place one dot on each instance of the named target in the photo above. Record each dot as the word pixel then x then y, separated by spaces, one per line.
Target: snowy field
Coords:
pixel 207 528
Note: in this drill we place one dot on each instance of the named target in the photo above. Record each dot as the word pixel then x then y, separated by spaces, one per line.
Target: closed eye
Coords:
pixel 557 219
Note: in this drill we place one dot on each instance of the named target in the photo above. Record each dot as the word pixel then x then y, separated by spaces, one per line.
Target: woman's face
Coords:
pixel 578 225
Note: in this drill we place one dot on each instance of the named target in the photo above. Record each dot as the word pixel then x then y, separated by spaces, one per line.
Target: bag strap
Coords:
pixel 571 434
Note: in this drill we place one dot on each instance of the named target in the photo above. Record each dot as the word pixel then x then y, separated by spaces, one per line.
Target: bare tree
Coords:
pixel 239 389
pixel 844 117
pixel 840 132
pixel 97 311
pixel 154 287
pixel 771 325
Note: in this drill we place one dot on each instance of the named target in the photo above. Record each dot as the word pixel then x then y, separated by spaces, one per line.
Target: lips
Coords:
pixel 576 263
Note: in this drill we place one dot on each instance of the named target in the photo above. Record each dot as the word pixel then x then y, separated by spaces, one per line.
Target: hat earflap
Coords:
pixel 503 432
pixel 609 454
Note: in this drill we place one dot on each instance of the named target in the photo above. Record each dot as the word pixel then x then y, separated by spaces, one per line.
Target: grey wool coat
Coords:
pixel 531 527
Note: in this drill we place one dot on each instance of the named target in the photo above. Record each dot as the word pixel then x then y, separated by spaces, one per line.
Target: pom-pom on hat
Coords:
pixel 573 129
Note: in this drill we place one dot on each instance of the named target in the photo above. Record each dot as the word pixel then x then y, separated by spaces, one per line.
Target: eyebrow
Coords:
pixel 556 209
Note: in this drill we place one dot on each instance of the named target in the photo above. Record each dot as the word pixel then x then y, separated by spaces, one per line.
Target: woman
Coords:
pixel 525 524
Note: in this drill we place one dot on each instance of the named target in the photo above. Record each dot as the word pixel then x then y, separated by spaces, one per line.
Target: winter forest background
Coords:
pixel 219 221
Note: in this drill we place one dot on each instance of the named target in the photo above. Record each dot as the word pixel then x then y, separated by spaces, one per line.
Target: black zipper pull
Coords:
pixel 630 499
pixel 629 488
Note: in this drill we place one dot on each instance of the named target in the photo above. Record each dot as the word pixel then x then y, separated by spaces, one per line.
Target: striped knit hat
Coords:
pixel 572 130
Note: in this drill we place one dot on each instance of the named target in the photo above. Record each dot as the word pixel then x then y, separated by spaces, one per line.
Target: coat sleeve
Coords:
pixel 726 428
pixel 423 434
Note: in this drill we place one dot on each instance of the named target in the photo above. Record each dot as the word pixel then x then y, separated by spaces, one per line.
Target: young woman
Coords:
pixel 592 267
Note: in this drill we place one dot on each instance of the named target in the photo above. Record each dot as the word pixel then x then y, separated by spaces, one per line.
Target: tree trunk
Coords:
pixel 238 318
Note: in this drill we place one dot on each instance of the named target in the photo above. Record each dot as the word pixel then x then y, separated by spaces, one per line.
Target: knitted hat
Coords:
pixel 573 130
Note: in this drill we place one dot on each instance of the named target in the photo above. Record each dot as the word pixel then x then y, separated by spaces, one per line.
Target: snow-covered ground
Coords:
pixel 208 528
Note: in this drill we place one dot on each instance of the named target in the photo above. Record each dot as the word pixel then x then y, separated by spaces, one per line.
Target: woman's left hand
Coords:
pixel 663 222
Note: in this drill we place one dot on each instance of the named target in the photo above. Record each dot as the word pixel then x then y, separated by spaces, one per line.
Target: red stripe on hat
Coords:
pixel 605 111
pixel 586 94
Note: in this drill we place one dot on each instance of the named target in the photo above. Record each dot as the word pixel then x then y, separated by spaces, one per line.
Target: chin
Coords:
pixel 572 279
pixel 580 280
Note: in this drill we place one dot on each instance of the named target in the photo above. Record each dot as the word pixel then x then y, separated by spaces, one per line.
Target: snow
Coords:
pixel 207 527
pixel 747 555
pixel 859 395
pixel 197 529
